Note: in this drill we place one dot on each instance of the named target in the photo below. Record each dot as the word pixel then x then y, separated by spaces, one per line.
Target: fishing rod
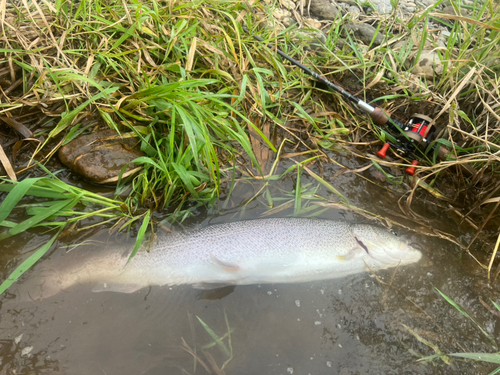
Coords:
pixel 413 136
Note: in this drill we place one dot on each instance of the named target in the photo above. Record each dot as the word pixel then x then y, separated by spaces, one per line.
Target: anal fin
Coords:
pixel 210 286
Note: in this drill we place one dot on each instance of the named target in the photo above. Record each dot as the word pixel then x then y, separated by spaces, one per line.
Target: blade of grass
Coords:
pixel 215 337
pixel 28 223
pixel 28 263
pixel 140 235
pixel 16 194
pixel 464 313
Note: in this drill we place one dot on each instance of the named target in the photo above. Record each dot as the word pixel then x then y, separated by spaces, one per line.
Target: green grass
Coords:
pixel 483 357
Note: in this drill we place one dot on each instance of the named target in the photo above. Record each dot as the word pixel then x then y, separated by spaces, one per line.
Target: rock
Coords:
pixel 310 40
pixel 350 7
pixel 425 3
pixel 323 9
pixel 100 156
pixel 377 175
pixel 449 9
pixel 288 4
pixel 407 9
pixel 363 32
pixel 354 10
pixel 382 6
pixel 428 65
pixel 311 22
pixel 279 14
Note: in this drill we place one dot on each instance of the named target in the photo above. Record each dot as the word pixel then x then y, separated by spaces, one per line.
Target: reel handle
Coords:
pixel 411 170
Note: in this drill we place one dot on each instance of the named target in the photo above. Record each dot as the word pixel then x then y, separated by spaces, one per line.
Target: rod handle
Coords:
pixel 379 117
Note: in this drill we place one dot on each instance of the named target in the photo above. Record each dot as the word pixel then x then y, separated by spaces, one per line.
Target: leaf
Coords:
pixel 28 263
pixel 185 177
pixel 464 313
pixel 140 236
pixel 69 117
pixel 147 30
pixel 32 221
pixel 15 195
pixel 486 357
pixel 215 337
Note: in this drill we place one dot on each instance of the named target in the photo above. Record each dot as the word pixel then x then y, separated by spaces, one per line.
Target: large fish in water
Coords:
pixel 239 253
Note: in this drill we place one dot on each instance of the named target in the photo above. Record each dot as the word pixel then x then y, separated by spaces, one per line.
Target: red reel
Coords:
pixel 417 128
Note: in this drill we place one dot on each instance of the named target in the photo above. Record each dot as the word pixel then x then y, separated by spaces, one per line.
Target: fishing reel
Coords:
pixel 418 133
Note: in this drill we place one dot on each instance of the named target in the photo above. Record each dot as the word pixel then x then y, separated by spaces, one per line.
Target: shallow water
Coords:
pixel 359 324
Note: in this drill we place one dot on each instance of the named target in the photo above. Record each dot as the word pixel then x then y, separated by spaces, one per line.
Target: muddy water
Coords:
pixel 360 324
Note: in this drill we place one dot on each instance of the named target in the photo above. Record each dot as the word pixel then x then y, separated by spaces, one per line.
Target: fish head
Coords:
pixel 384 248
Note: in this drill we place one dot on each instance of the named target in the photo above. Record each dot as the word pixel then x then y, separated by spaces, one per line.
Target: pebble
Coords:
pixel 425 3
pixel 288 4
pixel 286 21
pixel 280 13
pixel 311 22
pixel 26 351
pixel 428 65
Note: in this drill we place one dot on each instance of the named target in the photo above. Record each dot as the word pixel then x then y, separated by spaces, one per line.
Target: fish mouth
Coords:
pixel 411 254
pixel 416 246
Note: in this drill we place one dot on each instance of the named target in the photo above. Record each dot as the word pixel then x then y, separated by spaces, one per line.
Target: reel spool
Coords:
pixel 418 130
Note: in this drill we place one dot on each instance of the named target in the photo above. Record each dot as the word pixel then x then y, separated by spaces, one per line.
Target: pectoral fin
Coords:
pixel 116 287
pixel 228 266
pixel 349 256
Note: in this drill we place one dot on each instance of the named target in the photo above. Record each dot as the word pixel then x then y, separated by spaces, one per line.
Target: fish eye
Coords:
pixel 390 230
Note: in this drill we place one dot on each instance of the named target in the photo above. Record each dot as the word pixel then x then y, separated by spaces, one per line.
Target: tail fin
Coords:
pixel 36 287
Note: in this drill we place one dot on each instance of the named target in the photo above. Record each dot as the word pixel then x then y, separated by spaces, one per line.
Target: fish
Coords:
pixel 260 251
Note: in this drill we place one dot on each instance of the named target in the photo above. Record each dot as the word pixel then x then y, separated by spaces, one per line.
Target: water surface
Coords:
pixel 360 324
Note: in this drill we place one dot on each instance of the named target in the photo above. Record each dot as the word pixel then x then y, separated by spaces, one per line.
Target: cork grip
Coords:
pixel 379 117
